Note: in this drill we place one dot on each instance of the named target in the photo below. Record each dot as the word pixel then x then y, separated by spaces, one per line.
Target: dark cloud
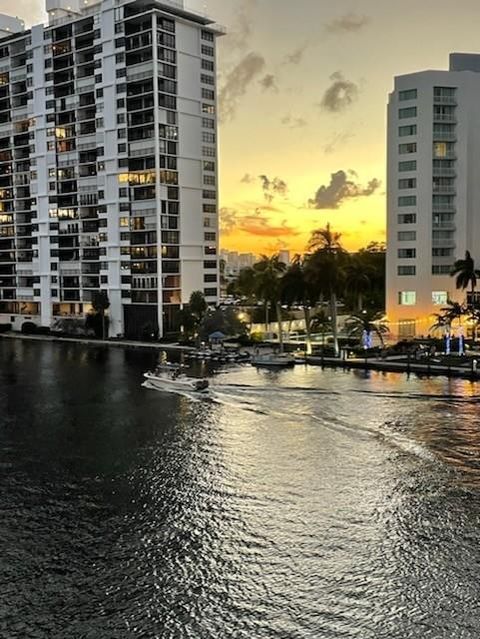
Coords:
pixel 240 32
pixel 337 140
pixel 248 179
pixel 340 94
pixel 349 23
pixel 272 188
pixel 237 83
pixel 293 123
pixel 341 189
pixel 269 83
pixel 254 224
pixel 296 56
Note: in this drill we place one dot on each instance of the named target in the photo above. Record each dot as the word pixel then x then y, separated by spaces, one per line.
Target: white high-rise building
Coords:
pixel 433 190
pixel 108 163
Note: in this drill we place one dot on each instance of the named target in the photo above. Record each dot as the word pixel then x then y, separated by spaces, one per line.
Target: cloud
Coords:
pixel 248 179
pixel 254 224
pixel 341 189
pixel 348 23
pixel 272 188
pixel 237 83
pixel 340 94
pixel 269 83
pixel 296 56
pixel 240 32
pixel 337 140
pixel 293 123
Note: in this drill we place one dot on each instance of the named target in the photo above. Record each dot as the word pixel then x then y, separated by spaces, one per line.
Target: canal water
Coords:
pixel 304 504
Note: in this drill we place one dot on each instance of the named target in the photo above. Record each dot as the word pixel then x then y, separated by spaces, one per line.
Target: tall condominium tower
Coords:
pixel 108 163
pixel 433 189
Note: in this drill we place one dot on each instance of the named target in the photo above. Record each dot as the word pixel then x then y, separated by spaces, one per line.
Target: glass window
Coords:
pixel 407 148
pixel 407 218
pixel 409 94
pixel 407 253
pixel 439 298
pixel 407 200
pixel 409 112
pixel 411 129
pixel 409 183
pixel 407 298
pixel 409 165
pixel 407 236
pixel 406 270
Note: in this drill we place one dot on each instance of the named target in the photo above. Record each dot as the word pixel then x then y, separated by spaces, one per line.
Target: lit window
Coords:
pixel 407 298
pixel 440 149
pixel 439 298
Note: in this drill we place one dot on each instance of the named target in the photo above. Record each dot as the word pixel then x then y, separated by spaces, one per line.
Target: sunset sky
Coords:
pixel 303 92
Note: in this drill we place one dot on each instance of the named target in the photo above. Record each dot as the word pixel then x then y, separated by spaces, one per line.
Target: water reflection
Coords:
pixel 300 504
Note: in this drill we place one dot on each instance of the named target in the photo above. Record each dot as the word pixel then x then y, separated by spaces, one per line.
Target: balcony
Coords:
pixel 445 99
pixel 444 172
pixel 444 190
pixel 444 137
pixel 442 117
pixel 444 208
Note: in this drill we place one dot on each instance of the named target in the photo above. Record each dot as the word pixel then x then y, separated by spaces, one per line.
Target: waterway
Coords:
pixel 303 504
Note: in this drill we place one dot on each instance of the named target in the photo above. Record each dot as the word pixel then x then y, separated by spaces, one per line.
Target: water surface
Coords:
pixel 300 504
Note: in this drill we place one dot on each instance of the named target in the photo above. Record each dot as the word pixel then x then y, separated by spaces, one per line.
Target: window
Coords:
pixel 409 183
pixel 209 151
pixel 407 200
pixel 210 237
pixel 207 123
pixel 210 278
pixel 443 129
pixel 409 112
pixel 207 65
pixel 208 36
pixel 444 92
pixel 407 218
pixel 411 129
pixel 208 264
pixel 206 50
pixel 443 149
pixel 124 221
pixel 406 328
pixel 210 292
pixel 442 252
pixel 439 298
pixel 442 235
pixel 407 148
pixel 410 165
pixel 208 165
pixel 208 94
pixel 209 180
pixel 406 270
pixel 209 195
pixel 407 298
pixel 208 137
pixel 407 236
pixel 441 269
pixel 208 108
pixel 407 253
pixel 409 94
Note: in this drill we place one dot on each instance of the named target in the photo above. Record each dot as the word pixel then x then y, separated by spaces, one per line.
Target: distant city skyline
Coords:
pixel 302 139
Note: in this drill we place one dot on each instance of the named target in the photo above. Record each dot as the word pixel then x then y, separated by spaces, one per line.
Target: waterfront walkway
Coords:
pixel 456 367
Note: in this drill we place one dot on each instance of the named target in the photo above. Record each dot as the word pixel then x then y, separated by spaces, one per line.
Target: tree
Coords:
pixel 267 286
pixel 357 279
pixel 366 323
pixel 465 273
pixel 298 289
pixel 100 304
pixel 447 316
pixel 322 323
pixel 326 270
pixel 192 314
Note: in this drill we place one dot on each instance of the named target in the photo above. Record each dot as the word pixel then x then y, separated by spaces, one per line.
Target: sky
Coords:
pixel 303 88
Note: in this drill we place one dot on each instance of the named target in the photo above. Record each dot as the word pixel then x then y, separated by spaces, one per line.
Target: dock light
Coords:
pixel 461 343
pixel 448 343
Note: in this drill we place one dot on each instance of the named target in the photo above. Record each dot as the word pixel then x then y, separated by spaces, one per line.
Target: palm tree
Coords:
pixel 466 273
pixel 267 287
pixel 297 289
pixel 367 322
pixel 357 279
pixel 100 304
pixel 325 270
pixel 321 322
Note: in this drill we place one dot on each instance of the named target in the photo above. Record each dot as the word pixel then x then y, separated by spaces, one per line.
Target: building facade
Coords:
pixel 108 163
pixel 433 199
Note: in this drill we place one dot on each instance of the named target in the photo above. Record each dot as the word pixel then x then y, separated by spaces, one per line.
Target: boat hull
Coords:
pixel 172 385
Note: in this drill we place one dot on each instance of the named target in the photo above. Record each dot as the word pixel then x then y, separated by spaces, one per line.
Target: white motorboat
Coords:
pixel 171 381
pixel 274 360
